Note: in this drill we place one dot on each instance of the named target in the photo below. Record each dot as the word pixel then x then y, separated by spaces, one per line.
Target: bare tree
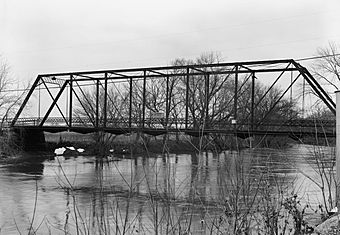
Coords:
pixel 9 101
pixel 207 103
pixel 116 106
pixel 327 66
pixel 204 95
pixel 326 69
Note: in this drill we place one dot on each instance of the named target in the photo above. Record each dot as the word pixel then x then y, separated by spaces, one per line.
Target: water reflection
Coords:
pixel 30 163
pixel 135 192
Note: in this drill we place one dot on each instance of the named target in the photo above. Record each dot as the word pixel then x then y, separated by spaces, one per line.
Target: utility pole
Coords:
pixel 337 93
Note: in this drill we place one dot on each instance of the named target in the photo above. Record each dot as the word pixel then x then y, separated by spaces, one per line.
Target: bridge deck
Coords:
pixel 292 128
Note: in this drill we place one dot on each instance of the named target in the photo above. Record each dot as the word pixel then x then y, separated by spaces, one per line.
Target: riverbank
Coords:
pixel 137 143
pixel 122 144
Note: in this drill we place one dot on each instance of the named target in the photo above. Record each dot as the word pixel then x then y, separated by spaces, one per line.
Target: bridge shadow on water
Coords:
pixel 28 163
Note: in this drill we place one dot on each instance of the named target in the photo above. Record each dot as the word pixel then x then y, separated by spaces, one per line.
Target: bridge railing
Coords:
pixel 303 125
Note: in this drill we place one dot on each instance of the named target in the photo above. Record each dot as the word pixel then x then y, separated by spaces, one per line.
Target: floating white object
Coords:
pixel 80 150
pixel 71 148
pixel 112 150
pixel 334 210
pixel 60 151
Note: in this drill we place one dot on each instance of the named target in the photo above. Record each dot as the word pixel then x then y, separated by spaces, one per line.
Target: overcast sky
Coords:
pixel 41 36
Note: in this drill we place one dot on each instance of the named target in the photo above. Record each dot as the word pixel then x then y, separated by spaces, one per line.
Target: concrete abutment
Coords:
pixel 28 139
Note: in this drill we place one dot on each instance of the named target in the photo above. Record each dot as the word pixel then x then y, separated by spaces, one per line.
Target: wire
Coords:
pixel 14 90
pixel 317 57
pixel 57 87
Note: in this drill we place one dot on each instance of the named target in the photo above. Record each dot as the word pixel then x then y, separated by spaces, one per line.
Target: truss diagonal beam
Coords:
pixel 85 97
pixel 24 103
pixel 87 113
pixel 55 100
pixel 277 101
pixel 316 87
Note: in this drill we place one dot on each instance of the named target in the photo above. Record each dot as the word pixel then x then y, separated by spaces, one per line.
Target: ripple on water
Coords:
pixel 200 182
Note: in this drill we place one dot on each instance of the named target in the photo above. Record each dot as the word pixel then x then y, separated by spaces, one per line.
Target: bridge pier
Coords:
pixel 29 139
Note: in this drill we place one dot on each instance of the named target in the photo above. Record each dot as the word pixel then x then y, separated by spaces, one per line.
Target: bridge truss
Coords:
pixel 251 97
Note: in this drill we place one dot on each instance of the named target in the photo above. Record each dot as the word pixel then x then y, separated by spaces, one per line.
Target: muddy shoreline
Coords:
pixel 137 143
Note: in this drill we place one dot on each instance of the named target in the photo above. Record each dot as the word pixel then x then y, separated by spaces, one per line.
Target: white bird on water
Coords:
pixel 60 151
pixel 80 150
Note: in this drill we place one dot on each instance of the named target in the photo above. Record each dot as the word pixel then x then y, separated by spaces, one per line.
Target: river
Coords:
pixel 144 195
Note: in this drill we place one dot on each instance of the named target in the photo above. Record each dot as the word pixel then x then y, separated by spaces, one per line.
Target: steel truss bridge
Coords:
pixel 242 98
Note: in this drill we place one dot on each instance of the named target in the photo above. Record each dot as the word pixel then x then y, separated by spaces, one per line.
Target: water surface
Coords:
pixel 131 193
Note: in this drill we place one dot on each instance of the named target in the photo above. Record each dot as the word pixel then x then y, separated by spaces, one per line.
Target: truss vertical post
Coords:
pixel 252 102
pixel 187 99
pixel 130 105
pixel 207 99
pixel 71 100
pixel 97 103
pixel 236 93
pixel 291 94
pixel 105 101
pixel 337 163
pixel 167 102
pixel 66 108
pixel 39 104
pixel 144 98
pixel 303 97
pixel 291 89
